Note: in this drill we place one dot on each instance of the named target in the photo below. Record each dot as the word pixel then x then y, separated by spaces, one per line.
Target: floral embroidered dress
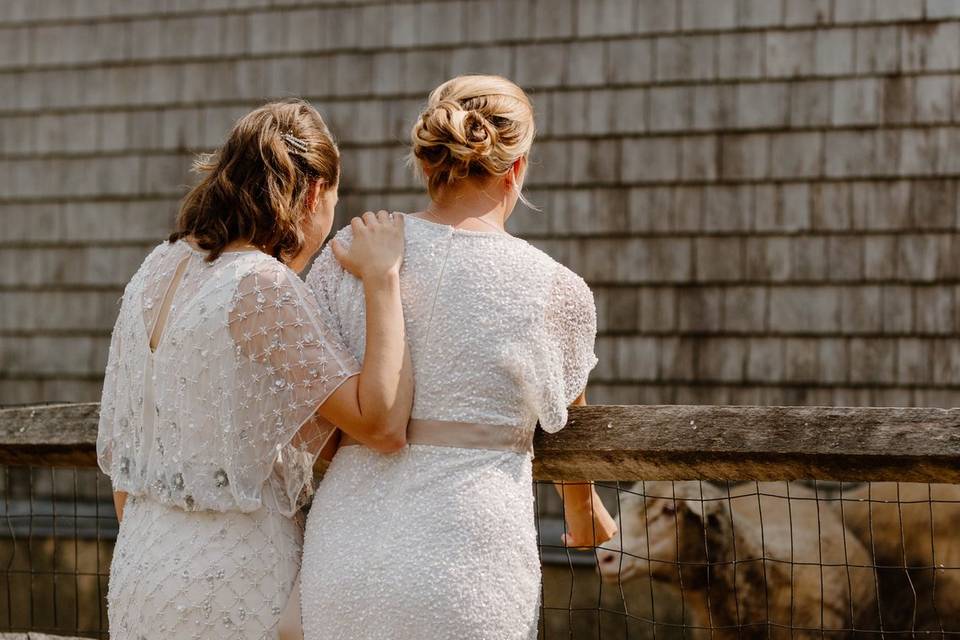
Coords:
pixel 438 540
pixel 212 433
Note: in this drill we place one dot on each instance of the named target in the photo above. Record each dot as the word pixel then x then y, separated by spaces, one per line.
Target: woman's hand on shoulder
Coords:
pixel 377 247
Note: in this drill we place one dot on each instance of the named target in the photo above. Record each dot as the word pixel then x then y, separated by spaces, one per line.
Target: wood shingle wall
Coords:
pixel 762 193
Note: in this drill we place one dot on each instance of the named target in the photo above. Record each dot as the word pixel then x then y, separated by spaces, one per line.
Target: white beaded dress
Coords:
pixel 439 542
pixel 213 436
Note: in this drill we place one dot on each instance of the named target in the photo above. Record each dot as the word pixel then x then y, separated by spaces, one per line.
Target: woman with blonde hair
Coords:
pixel 438 540
pixel 221 377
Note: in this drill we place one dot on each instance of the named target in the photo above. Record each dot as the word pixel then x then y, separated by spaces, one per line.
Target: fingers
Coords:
pixel 346 259
pixel 382 216
pixel 370 219
pixel 599 537
pixel 568 541
pixel 338 251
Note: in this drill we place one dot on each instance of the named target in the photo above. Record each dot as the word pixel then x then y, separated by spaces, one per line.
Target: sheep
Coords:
pixel 918 560
pixel 775 564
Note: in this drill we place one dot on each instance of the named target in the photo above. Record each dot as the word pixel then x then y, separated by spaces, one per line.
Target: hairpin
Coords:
pixel 293 141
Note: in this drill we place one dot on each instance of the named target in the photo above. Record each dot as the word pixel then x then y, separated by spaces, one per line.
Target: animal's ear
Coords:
pixel 706 510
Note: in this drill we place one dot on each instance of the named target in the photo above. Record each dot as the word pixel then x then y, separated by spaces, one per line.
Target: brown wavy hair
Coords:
pixel 255 186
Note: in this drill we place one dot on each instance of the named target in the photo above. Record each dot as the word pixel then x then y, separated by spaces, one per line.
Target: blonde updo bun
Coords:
pixel 472 125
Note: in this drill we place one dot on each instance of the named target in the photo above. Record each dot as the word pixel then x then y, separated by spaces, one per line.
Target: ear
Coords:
pixel 708 511
pixel 314 191
pixel 519 167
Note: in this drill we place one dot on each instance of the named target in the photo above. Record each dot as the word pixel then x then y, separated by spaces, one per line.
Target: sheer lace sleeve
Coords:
pixel 571 327
pixel 120 435
pixel 108 402
pixel 324 280
pixel 289 362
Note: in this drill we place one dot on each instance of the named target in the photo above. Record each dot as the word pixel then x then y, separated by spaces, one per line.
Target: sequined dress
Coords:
pixel 440 542
pixel 213 436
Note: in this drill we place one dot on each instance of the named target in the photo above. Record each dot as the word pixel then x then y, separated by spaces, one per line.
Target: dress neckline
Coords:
pixel 464 232
pixel 203 254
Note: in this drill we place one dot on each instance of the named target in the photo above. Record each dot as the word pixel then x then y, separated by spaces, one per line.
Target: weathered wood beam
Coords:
pixel 641 442
pixel 33 635
pixel 50 435
pixel 753 443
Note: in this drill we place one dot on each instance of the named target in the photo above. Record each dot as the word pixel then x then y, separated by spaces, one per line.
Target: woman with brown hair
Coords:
pixel 222 376
pixel 438 540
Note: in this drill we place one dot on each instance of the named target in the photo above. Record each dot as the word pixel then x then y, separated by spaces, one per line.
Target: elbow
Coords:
pixel 393 435
pixel 389 431
pixel 386 433
pixel 389 442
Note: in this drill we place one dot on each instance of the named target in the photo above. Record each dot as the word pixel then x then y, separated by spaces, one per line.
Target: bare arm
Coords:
pixel 588 521
pixel 119 502
pixel 374 406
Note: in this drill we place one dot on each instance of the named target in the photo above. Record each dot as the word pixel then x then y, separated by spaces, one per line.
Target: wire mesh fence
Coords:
pixel 57 529
pixel 692 559
pixel 764 560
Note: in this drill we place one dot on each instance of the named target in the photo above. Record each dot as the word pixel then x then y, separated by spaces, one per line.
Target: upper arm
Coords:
pixel 119 502
pixel 581 400
pixel 324 280
pixel 108 400
pixel 572 323
pixel 292 360
pixel 343 405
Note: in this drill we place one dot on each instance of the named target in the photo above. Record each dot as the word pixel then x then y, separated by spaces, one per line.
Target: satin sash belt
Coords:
pixel 466 435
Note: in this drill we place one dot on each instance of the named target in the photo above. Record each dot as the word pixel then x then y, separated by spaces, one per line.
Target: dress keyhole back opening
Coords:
pixel 160 322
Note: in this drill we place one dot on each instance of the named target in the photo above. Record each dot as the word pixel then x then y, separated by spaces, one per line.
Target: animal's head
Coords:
pixel 662 524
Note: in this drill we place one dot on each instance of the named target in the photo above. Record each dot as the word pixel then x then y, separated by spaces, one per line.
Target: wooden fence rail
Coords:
pixel 612 442
pixel 36 636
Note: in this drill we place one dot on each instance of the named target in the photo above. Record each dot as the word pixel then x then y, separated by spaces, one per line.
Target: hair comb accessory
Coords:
pixel 294 143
